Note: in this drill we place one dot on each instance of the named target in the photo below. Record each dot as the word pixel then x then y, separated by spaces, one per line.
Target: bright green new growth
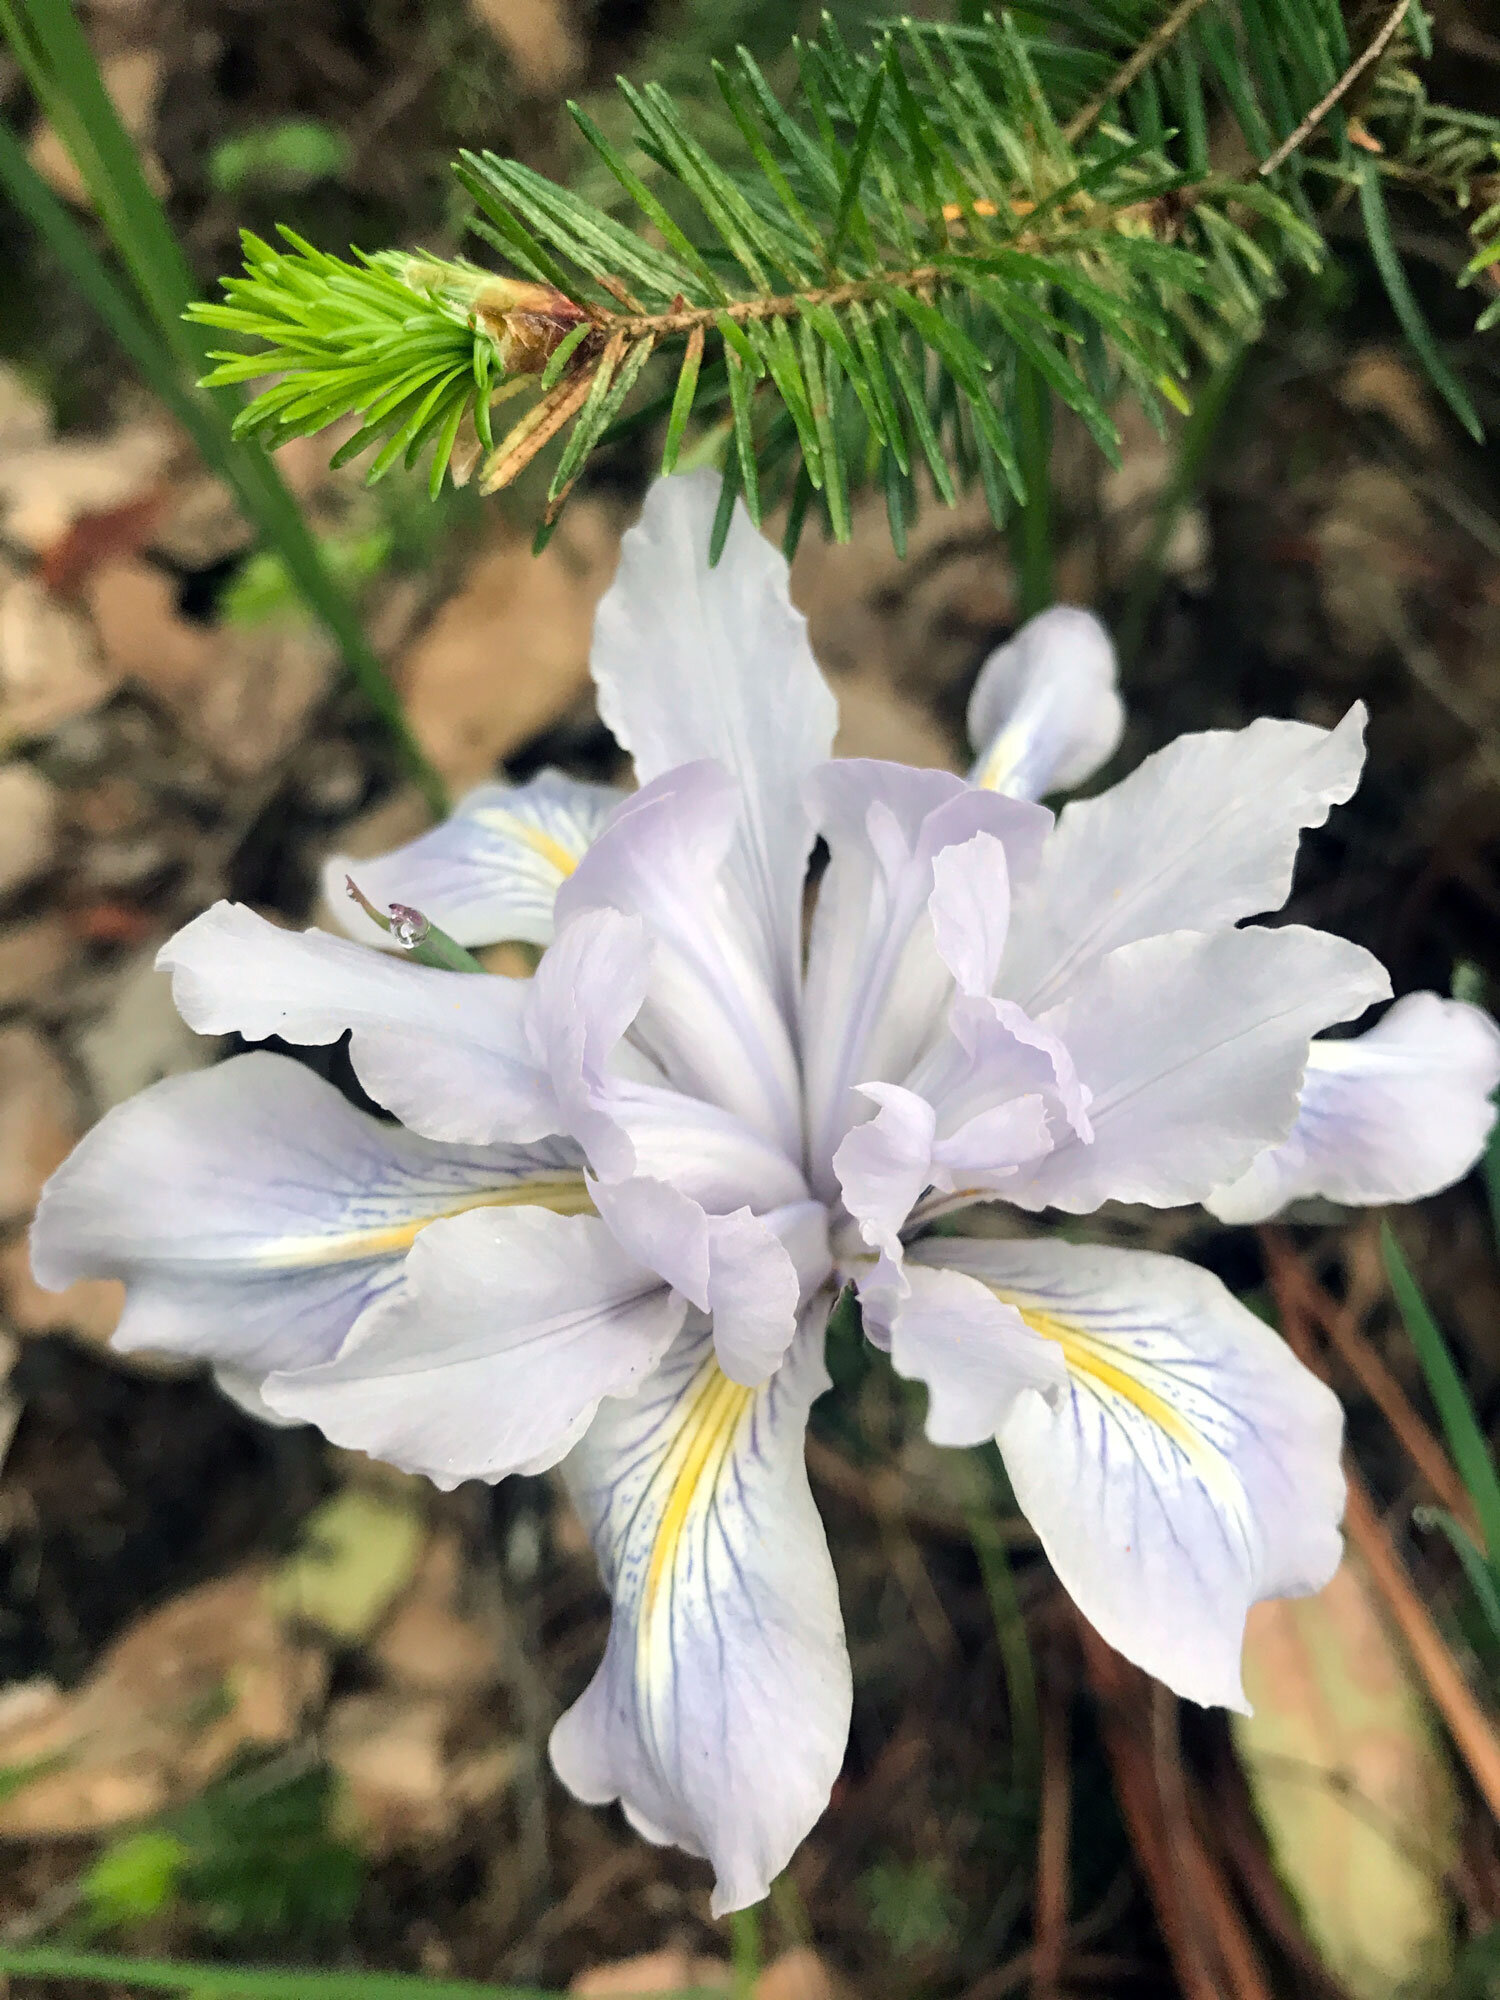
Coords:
pixel 887 282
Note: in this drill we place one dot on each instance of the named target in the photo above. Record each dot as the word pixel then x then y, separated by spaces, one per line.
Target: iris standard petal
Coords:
pixel 1192 1047
pixel 748 1271
pixel 711 1020
pixel 496 1352
pixel 1390 1115
pixel 254 1214
pixel 1045 712
pixel 586 993
pixel 446 1051
pixel 692 662
pixel 885 1164
pixel 1191 1469
pixel 1199 836
pixel 876 985
pixel 720 1713
pixel 491 871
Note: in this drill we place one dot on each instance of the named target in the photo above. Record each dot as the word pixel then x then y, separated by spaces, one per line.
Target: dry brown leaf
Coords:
pixel 140 1037
pixel 800 1975
pixel 655 1972
pixel 25 416
pixel 404 1784
pixel 173 1702
pixel 426 1645
pixel 30 821
pixel 1381 381
pixel 915 627
pixel 38 1118
pixel 245 697
pixel 90 1308
pixel 507 656
pixel 538 36
pixel 45 490
pixel 1352 1786
pixel 34 958
pixel 50 669
pixel 875 722
pixel 1374 539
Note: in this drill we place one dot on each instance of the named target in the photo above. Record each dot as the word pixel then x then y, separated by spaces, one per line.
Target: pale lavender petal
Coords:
pixel 1193 1047
pixel 691 662
pixel 491 871
pixel 970 910
pixel 585 993
pixel 446 1051
pixel 748 1272
pixel 976 1355
pixel 1191 1469
pixel 711 1020
pixel 1390 1115
pixel 1197 837
pixel 885 1164
pixel 877 988
pixel 253 1213
pixel 495 1355
pixel 1045 712
pixel 721 1710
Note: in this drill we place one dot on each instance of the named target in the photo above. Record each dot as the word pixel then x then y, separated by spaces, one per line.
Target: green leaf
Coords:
pixel 134 1878
pixel 1399 292
pixel 1480 1578
pixel 1466 1441
pixel 283 157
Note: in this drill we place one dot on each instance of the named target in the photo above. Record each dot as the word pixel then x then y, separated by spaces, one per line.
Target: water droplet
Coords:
pixel 408 926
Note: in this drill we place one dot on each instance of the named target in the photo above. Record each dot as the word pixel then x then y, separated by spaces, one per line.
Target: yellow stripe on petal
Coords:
pixel 563 1194
pixel 1108 1371
pixel 708 1420
pixel 542 844
pixel 1000 760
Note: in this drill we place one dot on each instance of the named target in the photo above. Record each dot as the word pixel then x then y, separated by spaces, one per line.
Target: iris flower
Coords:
pixel 622 1195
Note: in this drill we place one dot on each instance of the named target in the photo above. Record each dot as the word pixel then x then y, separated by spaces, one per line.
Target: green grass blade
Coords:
pixel 1403 304
pixel 236 1982
pixel 1481 1579
pixel 1015 1652
pixel 1466 1441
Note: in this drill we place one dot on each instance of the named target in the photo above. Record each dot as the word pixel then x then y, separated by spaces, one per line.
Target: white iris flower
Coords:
pixel 623 1194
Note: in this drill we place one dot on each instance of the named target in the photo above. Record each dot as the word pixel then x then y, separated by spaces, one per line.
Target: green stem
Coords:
pixel 209 1981
pixel 1031 531
pixel 744 1940
pixel 1015 1654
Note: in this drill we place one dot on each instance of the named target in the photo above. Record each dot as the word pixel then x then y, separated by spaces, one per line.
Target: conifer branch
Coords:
pixel 867 291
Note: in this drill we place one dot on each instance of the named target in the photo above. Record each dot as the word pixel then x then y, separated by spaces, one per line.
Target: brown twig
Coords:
pixel 1470 1728
pixel 1125 76
pixel 1053 1843
pixel 1345 83
pixel 1467 1724
pixel 1290 1275
pixel 1118 1689
pixel 837 1475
